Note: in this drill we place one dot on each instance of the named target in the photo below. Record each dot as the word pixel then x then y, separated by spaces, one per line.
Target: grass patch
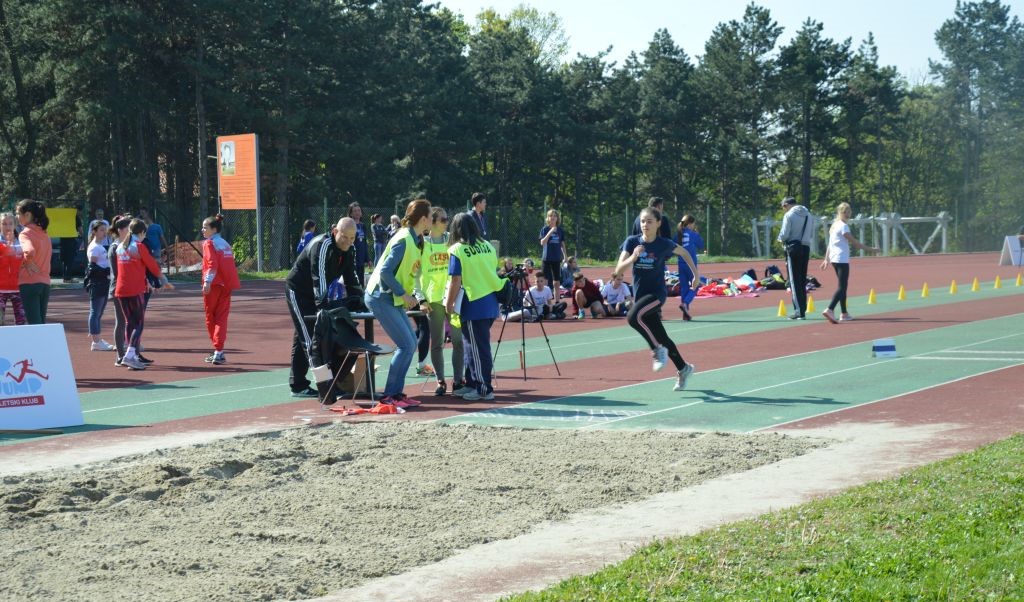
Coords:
pixel 953 530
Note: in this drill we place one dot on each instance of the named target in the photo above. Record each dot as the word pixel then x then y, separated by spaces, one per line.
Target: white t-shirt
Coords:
pixel 615 295
pixel 97 254
pixel 540 297
pixel 838 246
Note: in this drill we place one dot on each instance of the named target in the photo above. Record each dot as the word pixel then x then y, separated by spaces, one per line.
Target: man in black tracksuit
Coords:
pixel 321 262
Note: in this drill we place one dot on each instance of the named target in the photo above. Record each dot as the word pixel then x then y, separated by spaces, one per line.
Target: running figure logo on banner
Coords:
pixel 21 381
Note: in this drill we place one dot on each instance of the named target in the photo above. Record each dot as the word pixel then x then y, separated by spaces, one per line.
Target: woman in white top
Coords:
pixel 97 283
pixel 839 242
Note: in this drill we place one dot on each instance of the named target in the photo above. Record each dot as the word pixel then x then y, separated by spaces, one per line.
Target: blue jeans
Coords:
pixel 97 304
pixel 393 320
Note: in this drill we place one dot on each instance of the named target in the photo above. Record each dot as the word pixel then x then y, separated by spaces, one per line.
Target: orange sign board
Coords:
pixel 238 171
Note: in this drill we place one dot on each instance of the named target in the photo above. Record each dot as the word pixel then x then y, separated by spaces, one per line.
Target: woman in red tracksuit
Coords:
pixel 10 266
pixel 220 277
pixel 133 262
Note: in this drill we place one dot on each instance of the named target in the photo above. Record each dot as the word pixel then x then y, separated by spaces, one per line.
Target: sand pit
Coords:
pixel 302 512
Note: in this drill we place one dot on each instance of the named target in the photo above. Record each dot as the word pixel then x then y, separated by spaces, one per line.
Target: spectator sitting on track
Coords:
pixel 569 269
pixel 616 295
pixel 308 232
pixel 586 295
pixel 540 298
pixel 507 265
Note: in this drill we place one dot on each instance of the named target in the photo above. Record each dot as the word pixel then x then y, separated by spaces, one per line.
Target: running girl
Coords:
pixel 220 277
pixel 646 254
pixel 10 265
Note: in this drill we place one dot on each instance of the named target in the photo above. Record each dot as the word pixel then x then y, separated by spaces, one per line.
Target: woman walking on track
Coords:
pixel 133 263
pixel 552 240
pixel 11 258
pixel 839 242
pixel 647 254
pixel 97 283
pixel 688 238
pixel 433 279
pixel 34 279
pixel 389 294
pixel 220 278
pixel 471 267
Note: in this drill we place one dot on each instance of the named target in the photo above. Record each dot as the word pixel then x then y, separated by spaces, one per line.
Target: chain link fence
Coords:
pixel 517 232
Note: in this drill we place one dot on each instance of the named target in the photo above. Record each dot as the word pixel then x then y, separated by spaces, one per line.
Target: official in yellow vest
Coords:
pixel 471 267
pixel 433 283
pixel 389 293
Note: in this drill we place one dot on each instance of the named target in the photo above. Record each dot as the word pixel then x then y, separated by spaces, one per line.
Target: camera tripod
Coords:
pixel 518 277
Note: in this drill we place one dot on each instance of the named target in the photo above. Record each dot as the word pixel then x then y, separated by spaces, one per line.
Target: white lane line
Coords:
pixel 1013 360
pixel 146 403
pixel 867 403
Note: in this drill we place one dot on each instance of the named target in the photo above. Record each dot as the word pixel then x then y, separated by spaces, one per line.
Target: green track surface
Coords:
pixel 771 391
pixel 752 396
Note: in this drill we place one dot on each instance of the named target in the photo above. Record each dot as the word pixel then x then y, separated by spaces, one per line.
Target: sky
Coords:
pixel 904 29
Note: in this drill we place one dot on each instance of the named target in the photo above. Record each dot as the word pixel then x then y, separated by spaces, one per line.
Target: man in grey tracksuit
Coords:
pixel 795 236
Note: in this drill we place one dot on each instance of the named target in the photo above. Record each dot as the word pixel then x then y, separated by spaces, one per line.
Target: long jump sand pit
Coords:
pixel 302 512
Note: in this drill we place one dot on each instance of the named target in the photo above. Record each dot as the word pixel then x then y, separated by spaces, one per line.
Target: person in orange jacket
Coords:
pixel 133 263
pixel 220 277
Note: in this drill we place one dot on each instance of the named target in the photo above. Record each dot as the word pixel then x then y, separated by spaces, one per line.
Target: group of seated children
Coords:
pixel 540 301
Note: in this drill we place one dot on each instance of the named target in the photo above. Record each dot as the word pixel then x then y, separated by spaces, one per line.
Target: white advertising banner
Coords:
pixel 37 383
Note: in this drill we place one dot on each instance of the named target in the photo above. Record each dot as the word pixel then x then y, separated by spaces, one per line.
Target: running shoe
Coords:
pixel 660 358
pixel 686 313
pixel 582 315
pixel 101 345
pixel 441 389
pixel 845 318
pixel 425 370
pixel 133 363
pixel 118 360
pixel 307 392
pixel 463 390
pixel 830 316
pixel 143 359
pixel 489 396
pixel 218 360
pixel 681 377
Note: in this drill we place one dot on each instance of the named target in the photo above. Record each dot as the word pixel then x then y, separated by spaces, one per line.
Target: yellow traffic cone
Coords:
pixel 1020 279
pixel 952 288
pixel 998 284
pixel 974 285
pixel 871 297
pixel 902 295
pixel 782 309
pixel 810 303
pixel 924 291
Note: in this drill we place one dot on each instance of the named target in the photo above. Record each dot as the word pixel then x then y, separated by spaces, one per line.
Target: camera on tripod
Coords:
pixel 517 274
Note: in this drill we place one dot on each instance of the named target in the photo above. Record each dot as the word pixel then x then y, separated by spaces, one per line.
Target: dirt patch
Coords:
pixel 299 513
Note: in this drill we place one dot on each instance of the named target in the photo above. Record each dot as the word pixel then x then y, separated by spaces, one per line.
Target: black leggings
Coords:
pixel 553 272
pixel 134 311
pixel 422 337
pixel 839 297
pixel 645 318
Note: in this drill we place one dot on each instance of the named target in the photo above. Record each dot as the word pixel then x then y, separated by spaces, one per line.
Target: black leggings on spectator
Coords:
pixel 645 318
pixel 553 272
pixel 839 297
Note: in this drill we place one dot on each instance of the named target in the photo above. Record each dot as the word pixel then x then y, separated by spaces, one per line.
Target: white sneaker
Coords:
pixel 133 363
pixel 101 345
pixel 681 377
pixel 660 358
pixel 830 316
